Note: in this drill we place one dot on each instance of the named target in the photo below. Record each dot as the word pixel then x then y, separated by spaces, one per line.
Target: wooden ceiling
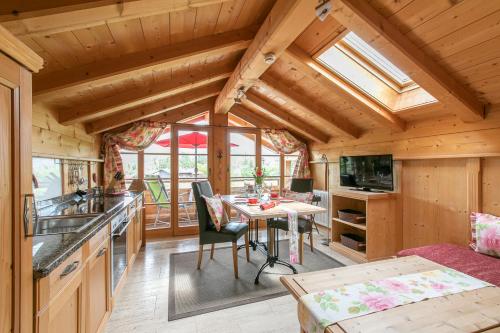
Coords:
pixel 110 63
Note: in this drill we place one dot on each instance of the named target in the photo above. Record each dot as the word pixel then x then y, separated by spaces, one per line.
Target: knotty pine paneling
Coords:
pixel 53 139
pixel 491 185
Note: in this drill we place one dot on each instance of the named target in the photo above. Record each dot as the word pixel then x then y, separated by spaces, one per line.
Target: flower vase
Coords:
pixel 258 190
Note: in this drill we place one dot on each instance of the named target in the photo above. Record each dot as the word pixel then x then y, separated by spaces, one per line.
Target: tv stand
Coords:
pixel 366 189
pixel 381 229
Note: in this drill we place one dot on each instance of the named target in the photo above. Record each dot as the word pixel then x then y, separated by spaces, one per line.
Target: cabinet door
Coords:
pixel 131 241
pixel 98 288
pixel 65 313
pixel 16 272
pixel 138 230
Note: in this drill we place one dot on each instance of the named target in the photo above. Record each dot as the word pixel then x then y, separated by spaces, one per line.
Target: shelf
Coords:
pixel 362 195
pixel 358 256
pixel 361 226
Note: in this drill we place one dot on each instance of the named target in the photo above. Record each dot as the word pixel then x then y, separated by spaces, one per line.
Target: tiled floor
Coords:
pixel 142 303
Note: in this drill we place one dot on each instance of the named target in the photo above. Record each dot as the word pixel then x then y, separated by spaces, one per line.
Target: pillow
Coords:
pixel 301 197
pixel 487 229
pixel 473 219
pixel 216 210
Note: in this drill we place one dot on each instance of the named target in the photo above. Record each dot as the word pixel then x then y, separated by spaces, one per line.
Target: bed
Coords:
pixel 461 258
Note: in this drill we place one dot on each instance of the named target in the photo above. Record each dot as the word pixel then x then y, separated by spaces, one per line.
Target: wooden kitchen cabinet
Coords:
pixel 98 290
pixel 131 240
pixel 61 298
pixel 138 225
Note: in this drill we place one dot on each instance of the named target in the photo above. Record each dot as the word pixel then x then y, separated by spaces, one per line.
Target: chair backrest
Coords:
pixel 202 188
pixel 302 185
pixel 158 191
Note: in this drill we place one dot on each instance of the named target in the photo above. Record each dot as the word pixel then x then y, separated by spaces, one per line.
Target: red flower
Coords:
pixel 259 172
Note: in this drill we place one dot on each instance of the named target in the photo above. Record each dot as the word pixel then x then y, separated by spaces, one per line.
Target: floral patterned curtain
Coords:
pixel 140 136
pixel 286 143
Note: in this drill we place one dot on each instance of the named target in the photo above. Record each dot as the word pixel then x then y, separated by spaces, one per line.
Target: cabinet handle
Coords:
pixel 69 269
pixel 101 252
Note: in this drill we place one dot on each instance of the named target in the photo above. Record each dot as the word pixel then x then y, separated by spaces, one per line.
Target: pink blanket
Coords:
pixel 462 259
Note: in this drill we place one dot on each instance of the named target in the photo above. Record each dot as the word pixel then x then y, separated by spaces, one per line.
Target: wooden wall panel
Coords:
pixel 434 194
pixel 53 139
pixel 491 185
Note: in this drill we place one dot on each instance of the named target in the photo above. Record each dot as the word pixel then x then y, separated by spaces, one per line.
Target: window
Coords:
pixel 47 172
pixel 271 164
pixel 340 56
pixel 243 160
pixel 290 161
pixel 130 165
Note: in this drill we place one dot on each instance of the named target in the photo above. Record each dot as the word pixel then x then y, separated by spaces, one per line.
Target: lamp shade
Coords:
pixel 137 185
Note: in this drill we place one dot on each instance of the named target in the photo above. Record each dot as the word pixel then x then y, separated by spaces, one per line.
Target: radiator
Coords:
pixel 322 218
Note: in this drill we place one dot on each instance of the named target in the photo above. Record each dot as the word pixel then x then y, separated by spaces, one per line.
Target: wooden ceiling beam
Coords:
pixel 110 70
pixel 340 125
pixel 286 21
pixel 358 16
pixel 40 18
pixel 306 130
pixel 185 111
pixel 137 96
pixel 153 109
pixel 299 59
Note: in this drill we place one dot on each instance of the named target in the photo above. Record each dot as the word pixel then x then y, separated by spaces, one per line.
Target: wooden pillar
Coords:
pixel 474 181
pixel 219 168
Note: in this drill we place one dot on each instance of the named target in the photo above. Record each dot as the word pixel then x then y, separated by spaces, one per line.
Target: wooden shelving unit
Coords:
pixel 381 230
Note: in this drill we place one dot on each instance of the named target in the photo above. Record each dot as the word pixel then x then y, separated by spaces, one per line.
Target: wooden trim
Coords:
pixel 359 17
pixel 308 131
pixel 153 109
pixel 341 125
pixel 135 97
pixel 110 70
pixel 474 185
pixel 18 51
pixel 49 19
pixel 286 21
pixel 303 62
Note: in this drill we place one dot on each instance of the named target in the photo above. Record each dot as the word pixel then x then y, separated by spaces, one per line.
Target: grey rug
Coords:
pixel 193 292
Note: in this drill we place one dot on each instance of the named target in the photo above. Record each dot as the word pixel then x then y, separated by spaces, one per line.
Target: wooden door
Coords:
pixel 98 288
pixel 16 273
pixel 190 162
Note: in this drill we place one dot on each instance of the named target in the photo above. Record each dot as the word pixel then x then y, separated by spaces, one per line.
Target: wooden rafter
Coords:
pixel 286 21
pixel 18 51
pixel 155 108
pixel 39 19
pixel 299 59
pixel 136 97
pixel 185 112
pixel 341 125
pixel 255 101
pixel 359 17
pixel 260 120
pixel 109 70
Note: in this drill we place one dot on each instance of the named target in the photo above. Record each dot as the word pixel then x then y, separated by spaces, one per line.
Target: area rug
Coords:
pixel 193 292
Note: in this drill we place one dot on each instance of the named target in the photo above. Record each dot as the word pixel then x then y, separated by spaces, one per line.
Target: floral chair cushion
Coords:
pixel 216 211
pixel 300 197
pixel 487 234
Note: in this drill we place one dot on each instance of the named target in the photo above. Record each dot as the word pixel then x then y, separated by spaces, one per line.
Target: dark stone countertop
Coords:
pixel 49 251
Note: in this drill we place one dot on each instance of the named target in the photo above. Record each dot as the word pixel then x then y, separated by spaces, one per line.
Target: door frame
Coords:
pixel 177 230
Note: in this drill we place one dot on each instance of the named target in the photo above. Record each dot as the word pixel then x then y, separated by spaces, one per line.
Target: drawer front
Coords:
pixel 50 286
pixel 97 240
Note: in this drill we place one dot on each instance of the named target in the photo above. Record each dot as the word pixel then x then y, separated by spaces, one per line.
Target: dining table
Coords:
pixel 254 213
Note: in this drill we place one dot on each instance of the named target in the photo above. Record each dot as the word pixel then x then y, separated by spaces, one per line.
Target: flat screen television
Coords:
pixel 367 172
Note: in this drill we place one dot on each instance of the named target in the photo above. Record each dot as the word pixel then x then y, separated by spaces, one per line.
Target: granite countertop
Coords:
pixel 49 251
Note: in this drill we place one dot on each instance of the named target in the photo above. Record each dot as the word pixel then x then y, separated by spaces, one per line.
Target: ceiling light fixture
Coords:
pixel 324 8
pixel 240 95
pixel 270 58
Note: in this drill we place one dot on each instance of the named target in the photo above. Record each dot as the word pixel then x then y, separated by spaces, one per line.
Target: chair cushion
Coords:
pixel 305 197
pixel 230 232
pixel 216 211
pixel 304 225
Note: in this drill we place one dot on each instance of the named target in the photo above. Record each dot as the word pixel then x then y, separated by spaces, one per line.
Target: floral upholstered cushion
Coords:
pixel 216 210
pixel 300 197
pixel 484 218
pixel 487 229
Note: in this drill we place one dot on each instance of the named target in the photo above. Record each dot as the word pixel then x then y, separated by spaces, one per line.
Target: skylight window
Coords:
pixel 375 58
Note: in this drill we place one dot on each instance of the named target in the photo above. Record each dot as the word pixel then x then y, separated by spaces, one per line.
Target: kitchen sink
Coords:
pixel 64 224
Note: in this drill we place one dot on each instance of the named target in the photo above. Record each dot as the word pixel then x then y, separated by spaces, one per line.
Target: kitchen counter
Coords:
pixel 50 250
